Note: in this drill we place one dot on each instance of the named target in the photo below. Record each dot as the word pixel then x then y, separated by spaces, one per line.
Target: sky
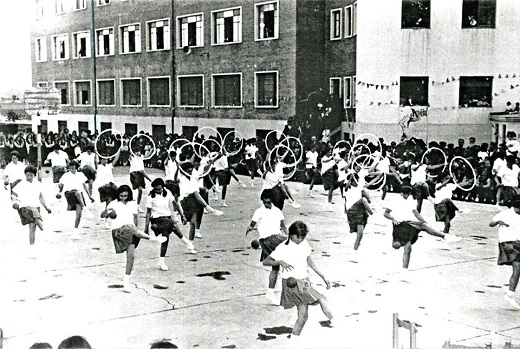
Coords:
pixel 15 44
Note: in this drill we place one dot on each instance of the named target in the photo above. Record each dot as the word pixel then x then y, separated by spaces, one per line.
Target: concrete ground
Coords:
pixel 215 299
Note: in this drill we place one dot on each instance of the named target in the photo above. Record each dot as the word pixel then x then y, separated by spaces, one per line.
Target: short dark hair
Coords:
pixel 158 181
pixel 14 153
pixel 31 169
pixel 125 188
pixel 267 194
pixel 74 163
pixel 76 342
pixel 406 189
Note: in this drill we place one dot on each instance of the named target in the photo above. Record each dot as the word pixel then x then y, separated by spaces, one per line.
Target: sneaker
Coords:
pixel 192 251
pixel 198 235
pixel 223 203
pixel 310 194
pixel 217 213
pixel 293 192
pixel 163 266
pixel 242 184
pixel 295 204
pixel 273 298
pixel 140 210
pixel 126 287
pixel 511 300
pixel 206 211
pixel 217 189
pixel 159 238
pixel 452 238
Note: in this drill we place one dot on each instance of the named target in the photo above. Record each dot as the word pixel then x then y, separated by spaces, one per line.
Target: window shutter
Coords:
pixel 153 38
pixel 236 29
pixel 166 37
pixel 137 39
pixel 111 42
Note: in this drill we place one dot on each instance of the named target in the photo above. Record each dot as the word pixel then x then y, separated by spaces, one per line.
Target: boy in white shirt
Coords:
pixel 408 223
pixel 14 171
pixel 250 154
pixel 73 183
pixel 88 165
pixel 268 220
pixel 59 161
pixel 508 178
pixel 509 245
pixel 29 196
pixel 311 167
pixel 105 180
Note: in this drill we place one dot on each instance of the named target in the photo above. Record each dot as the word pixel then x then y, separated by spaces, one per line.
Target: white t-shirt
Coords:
pixel 419 174
pixel 510 217
pixel 513 146
pixel 271 179
pixel 250 151
pixel 221 163
pixel 327 165
pixel 87 159
pixel 104 174
pixel 311 159
pixel 352 195
pixel 498 164
pixel 14 171
pixel 58 159
pixel 383 165
pixel 445 192
pixel 187 186
pixel 509 176
pixel 160 204
pixel 268 221
pixel 295 255
pixel 342 170
pixel 125 213
pixel 136 163
pixel 73 181
pixel 170 169
pixel 401 209
pixel 28 193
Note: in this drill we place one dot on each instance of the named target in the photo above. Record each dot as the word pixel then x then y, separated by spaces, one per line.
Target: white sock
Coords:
pixel 126 279
pixel 161 260
pixel 270 291
pixel 186 241
pixel 510 293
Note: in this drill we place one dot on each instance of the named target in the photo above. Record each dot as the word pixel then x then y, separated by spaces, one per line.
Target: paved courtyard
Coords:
pixel 215 299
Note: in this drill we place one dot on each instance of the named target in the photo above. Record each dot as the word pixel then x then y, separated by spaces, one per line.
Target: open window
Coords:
pixel 478 13
pixel 414 90
pixel 475 91
pixel 415 14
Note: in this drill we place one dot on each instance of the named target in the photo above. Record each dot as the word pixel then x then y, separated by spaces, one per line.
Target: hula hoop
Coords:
pixel 208 141
pixel 444 156
pixel 267 137
pixel 180 167
pixel 174 147
pixel 293 166
pixel 353 149
pixel 145 135
pixel 382 181
pixel 207 128
pixel 466 163
pixel 233 133
pixel 347 143
pixel 96 144
pixel 364 135
pixel 363 165
pixel 288 139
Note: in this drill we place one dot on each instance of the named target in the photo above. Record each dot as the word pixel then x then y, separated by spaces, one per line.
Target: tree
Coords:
pixel 12 115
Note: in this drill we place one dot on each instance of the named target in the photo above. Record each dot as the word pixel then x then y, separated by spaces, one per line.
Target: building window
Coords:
pixel 347 91
pixel 39 8
pixel 227 90
pixel 130 129
pixel 191 91
pixel 40 49
pixel 42 84
pixel 227 26
pixel 60 47
pixel 63 87
pixel 478 13
pixel 349 29
pixel 102 2
pixel 59 7
pixel 191 30
pixel 414 90
pixel 266 89
pixel 267 21
pixel 475 91
pixel 335 87
pixel 353 97
pixel 106 92
pixel 131 92
pixel 131 38
pixel 159 35
pixel 62 125
pixel 415 14
pixel 80 5
pixel 336 24
pixel 105 42
pixel 82 92
pixel 81 44
pixel 159 92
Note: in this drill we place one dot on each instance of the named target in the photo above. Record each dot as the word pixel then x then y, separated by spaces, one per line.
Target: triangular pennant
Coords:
pixel 377 87
pixel 359 83
pixel 514 75
pixel 378 104
pixel 452 78
pixel 507 76
pixel 433 83
pixel 396 83
pixel 445 108
pixel 392 83
pixel 392 102
pixel 453 107
pixel 512 87
pixel 502 91
pixel 499 76
pixel 517 85
pixel 496 94
pixel 371 102
pixel 447 80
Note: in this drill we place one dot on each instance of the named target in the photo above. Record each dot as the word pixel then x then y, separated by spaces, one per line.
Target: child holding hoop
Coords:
pixel 125 235
pixel 137 176
pixel 294 258
pixel 105 179
pixel 357 207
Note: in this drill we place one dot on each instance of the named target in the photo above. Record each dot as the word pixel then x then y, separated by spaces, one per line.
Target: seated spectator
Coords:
pixel 74 342
pixel 163 344
pixel 517 108
pixel 483 102
pixel 509 107
pixel 41 345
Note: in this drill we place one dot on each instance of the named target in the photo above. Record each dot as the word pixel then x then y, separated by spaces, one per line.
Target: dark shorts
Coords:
pixel 72 200
pixel 163 226
pixel 252 165
pixel 278 196
pixel 508 193
pixel 173 187
pixel 190 206
pixel 107 192
pixel 330 179
pixel 302 293
pixel 137 180
pixel 123 237
pixel 357 215
pixel 508 252
pixel 224 177
pixel 29 214
pixel 420 191
pixel 405 232
pixel 57 172
pixel 269 244
pixel 89 172
pixel 445 209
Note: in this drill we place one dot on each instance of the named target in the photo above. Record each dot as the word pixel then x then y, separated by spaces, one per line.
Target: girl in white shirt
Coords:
pixel 105 180
pixel 294 258
pixel 509 245
pixel 125 235
pixel 137 175
pixel 357 208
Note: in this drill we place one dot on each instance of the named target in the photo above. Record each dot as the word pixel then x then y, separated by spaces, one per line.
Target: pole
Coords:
pixel 173 84
pixel 94 54
pixel 413 339
pixel 395 336
pixel 39 157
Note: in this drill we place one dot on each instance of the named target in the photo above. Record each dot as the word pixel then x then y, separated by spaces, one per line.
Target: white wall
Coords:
pixel 386 52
